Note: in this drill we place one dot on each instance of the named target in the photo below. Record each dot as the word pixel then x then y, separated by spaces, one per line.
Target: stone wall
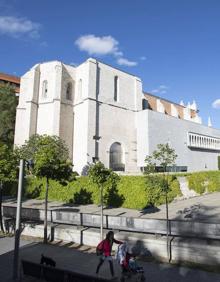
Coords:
pixel 196 251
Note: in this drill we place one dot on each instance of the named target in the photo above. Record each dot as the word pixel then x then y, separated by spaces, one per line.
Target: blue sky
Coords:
pixel 172 45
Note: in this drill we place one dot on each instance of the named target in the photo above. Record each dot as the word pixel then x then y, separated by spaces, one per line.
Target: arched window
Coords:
pixel 144 104
pixel 44 89
pixel 116 157
pixel 69 90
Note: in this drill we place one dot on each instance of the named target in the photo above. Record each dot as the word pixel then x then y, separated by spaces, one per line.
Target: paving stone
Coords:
pixel 85 262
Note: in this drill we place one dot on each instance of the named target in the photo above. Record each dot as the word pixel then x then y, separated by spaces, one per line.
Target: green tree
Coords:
pixel 103 177
pixel 8 104
pixel 165 157
pixel 48 158
pixel 8 172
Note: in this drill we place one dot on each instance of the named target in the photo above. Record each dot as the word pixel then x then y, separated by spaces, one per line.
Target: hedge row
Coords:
pixel 201 182
pixel 134 192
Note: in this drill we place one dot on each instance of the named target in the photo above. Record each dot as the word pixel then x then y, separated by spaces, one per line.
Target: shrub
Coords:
pixel 197 182
pixel 131 192
pixel 155 191
pixel 132 188
pixel 106 180
pixel 174 189
pixel 204 181
pixel 83 197
pixel 135 192
pixel 10 189
pixel 213 181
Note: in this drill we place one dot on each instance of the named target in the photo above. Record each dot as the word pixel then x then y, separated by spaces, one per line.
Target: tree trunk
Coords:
pixel 167 211
pixel 167 218
pixel 1 220
pixel 101 223
pixel 45 211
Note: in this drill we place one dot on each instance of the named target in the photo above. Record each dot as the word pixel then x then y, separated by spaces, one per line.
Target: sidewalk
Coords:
pixel 83 259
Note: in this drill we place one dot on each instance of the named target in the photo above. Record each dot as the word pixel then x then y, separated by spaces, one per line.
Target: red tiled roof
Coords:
pixel 152 101
pixel 6 78
pixel 9 78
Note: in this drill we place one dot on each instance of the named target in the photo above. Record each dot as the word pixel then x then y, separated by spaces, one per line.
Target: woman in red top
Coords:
pixel 106 247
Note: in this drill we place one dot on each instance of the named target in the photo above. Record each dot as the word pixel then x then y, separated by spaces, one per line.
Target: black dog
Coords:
pixel 48 261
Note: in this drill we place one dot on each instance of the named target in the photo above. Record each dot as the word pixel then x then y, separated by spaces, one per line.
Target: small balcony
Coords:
pixel 200 141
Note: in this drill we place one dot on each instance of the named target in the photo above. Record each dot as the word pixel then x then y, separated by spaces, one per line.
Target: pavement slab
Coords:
pixel 82 259
pixel 203 208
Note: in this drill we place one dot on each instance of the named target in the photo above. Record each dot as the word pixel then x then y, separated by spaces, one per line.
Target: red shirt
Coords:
pixel 107 246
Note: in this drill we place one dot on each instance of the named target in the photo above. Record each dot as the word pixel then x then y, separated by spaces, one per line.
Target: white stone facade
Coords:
pixel 98 111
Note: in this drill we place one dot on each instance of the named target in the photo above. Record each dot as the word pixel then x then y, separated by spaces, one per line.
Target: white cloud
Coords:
pixel 118 54
pixel 100 46
pixel 125 62
pixel 161 89
pixel 143 58
pixel 16 27
pixel 216 104
pixel 96 45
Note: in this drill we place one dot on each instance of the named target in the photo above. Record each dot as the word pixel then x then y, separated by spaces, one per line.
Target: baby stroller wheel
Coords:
pixel 142 278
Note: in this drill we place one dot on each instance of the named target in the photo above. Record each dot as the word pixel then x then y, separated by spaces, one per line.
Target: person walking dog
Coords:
pixel 104 250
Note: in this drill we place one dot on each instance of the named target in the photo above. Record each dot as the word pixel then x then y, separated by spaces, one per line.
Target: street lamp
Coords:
pixel 30 165
pixel 1 223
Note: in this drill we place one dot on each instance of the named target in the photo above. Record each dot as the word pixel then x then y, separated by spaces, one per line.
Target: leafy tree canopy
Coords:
pixel 8 164
pixel 49 156
pixel 164 156
pixel 99 174
pixel 107 179
pixel 8 104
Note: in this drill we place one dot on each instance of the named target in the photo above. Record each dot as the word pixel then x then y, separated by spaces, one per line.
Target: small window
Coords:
pixel 116 88
pixel 44 89
pixel 144 104
pixel 69 90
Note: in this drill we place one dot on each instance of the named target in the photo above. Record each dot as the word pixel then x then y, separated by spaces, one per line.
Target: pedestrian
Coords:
pixel 105 247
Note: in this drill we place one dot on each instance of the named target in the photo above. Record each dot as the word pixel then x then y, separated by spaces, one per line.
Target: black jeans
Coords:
pixel 110 264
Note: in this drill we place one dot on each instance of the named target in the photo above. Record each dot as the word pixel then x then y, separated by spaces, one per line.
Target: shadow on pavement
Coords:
pixel 84 262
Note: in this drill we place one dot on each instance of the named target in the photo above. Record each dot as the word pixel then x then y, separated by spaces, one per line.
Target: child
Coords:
pixel 128 263
pixel 134 266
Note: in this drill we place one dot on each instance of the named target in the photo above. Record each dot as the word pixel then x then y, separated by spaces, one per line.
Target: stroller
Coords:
pixel 129 265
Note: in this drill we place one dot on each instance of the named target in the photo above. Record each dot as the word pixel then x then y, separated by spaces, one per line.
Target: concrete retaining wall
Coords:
pixel 155 226
pixel 198 251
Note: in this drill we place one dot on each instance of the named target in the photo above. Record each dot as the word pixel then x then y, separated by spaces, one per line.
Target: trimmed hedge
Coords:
pixel 208 181
pixel 155 193
pixel 132 191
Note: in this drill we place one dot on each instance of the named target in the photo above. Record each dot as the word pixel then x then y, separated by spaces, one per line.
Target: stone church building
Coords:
pixel 103 114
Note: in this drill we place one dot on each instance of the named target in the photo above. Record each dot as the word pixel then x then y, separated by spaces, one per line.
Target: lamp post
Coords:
pixel 18 220
pixel 1 223
pixel 101 223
